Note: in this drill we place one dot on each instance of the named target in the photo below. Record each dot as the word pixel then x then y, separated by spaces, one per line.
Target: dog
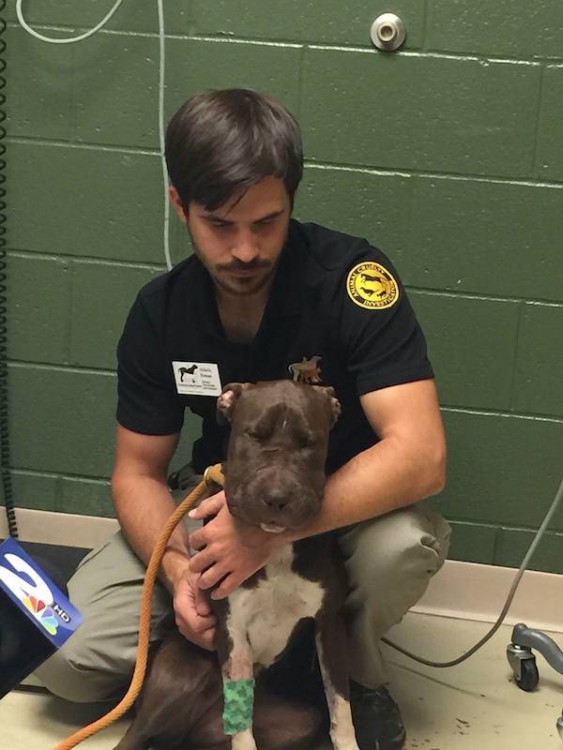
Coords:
pixel 274 480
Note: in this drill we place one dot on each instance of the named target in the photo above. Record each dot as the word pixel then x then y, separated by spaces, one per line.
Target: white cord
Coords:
pixel 161 135
pixel 65 40
pixel 162 56
pixel 518 577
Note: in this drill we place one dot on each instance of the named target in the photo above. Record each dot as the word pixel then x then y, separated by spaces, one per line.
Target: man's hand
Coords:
pixel 227 550
pixel 194 617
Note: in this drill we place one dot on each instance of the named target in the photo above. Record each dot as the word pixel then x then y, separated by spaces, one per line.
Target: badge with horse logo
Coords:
pixel 370 285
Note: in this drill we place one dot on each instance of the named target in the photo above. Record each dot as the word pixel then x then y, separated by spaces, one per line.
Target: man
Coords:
pixel 263 297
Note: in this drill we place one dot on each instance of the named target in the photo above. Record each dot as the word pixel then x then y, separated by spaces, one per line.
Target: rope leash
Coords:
pixel 213 475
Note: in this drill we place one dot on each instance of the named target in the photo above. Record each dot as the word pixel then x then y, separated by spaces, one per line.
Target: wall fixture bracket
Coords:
pixel 388 32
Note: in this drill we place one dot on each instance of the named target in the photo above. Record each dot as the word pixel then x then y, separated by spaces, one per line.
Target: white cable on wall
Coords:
pixel 64 40
pixel 162 57
pixel 166 227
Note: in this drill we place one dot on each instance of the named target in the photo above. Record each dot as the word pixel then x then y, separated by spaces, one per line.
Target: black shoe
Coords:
pixel 377 719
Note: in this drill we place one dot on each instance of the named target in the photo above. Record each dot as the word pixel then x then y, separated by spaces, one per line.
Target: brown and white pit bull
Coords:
pixel 274 480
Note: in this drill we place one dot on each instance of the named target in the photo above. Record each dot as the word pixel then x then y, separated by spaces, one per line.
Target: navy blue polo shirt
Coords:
pixel 337 311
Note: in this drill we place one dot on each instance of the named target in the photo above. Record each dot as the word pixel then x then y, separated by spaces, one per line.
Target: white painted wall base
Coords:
pixel 478 592
pixel 60 528
pixel 461 590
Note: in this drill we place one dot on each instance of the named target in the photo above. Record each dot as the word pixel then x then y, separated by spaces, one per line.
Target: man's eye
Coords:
pixel 264 223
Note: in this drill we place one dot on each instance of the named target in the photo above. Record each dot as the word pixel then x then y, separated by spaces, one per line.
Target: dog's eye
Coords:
pixel 253 434
pixel 307 440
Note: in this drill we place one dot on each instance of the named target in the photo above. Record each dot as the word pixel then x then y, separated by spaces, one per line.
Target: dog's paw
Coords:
pixel 344 739
pixel 346 745
pixel 245 741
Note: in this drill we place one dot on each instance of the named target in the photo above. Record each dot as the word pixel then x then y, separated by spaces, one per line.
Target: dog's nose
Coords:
pixel 276 499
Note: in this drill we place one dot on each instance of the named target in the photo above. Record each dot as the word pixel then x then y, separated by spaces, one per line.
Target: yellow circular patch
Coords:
pixel 370 285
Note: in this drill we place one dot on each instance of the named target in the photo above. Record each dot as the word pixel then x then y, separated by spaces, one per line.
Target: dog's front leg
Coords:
pixel 238 691
pixel 330 638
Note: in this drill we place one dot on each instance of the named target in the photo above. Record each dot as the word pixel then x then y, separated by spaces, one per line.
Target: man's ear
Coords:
pixel 176 201
pixel 228 399
pixel 334 404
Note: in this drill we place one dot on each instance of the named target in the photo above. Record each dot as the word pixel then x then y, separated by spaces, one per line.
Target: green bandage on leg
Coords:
pixel 239 701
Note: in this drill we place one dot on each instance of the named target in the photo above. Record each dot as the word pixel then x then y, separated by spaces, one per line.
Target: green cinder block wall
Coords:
pixel 448 155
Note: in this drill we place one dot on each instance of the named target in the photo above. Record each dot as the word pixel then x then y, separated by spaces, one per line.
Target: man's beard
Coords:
pixel 224 274
pixel 225 278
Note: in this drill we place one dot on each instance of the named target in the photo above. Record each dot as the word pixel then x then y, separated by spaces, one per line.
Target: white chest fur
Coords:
pixel 264 616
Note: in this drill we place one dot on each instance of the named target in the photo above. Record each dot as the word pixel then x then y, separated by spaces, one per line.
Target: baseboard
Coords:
pixel 67 529
pixel 470 591
pixel 467 591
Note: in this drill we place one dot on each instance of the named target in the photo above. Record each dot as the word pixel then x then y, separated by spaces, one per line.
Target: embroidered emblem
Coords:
pixel 306 371
pixel 370 285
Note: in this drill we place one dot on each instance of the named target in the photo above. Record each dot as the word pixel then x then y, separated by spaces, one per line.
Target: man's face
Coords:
pixel 240 242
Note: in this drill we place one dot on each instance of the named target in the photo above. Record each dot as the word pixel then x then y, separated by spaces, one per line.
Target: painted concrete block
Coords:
pixel 86 202
pixel 513 544
pixel 419 112
pixel 363 204
pixel 501 29
pixel 76 18
pixel 549 162
pixel 38 308
pixel 503 470
pixel 324 21
pixel 195 65
pixel 472 345
pixel 62 420
pixel 472 542
pixel 102 295
pixel 539 365
pixel 486 237
pixel 116 91
pixel 38 87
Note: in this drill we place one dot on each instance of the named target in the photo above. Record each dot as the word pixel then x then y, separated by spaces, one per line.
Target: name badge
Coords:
pixel 197 378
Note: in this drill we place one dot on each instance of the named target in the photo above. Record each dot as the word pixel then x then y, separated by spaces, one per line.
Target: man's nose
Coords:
pixel 245 247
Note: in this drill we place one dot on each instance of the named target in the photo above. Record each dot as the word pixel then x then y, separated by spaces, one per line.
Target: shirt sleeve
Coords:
pixel 147 399
pixel 384 344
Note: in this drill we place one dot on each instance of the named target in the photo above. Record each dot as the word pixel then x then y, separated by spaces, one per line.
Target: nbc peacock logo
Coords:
pixel 44 615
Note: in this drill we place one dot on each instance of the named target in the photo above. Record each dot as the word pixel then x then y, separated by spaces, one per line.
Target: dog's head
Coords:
pixel 277 450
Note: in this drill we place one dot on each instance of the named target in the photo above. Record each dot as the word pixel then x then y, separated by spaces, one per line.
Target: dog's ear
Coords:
pixel 334 404
pixel 227 400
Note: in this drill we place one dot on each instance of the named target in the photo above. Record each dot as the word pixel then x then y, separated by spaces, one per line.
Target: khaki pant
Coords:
pixel 389 562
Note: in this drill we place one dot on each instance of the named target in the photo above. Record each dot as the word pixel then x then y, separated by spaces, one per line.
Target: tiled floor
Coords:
pixel 474 706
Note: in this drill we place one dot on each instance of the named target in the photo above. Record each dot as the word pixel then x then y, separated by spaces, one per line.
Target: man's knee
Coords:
pixel 76 679
pixel 395 555
pixel 96 663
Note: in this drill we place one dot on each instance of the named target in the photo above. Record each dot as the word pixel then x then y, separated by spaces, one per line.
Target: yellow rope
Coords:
pixel 213 474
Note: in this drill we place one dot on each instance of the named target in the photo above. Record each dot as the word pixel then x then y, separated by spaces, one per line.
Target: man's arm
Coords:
pixel 406 465
pixel 142 500
pixel 144 504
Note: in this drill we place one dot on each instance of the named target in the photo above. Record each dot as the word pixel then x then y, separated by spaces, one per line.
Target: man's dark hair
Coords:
pixel 222 142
